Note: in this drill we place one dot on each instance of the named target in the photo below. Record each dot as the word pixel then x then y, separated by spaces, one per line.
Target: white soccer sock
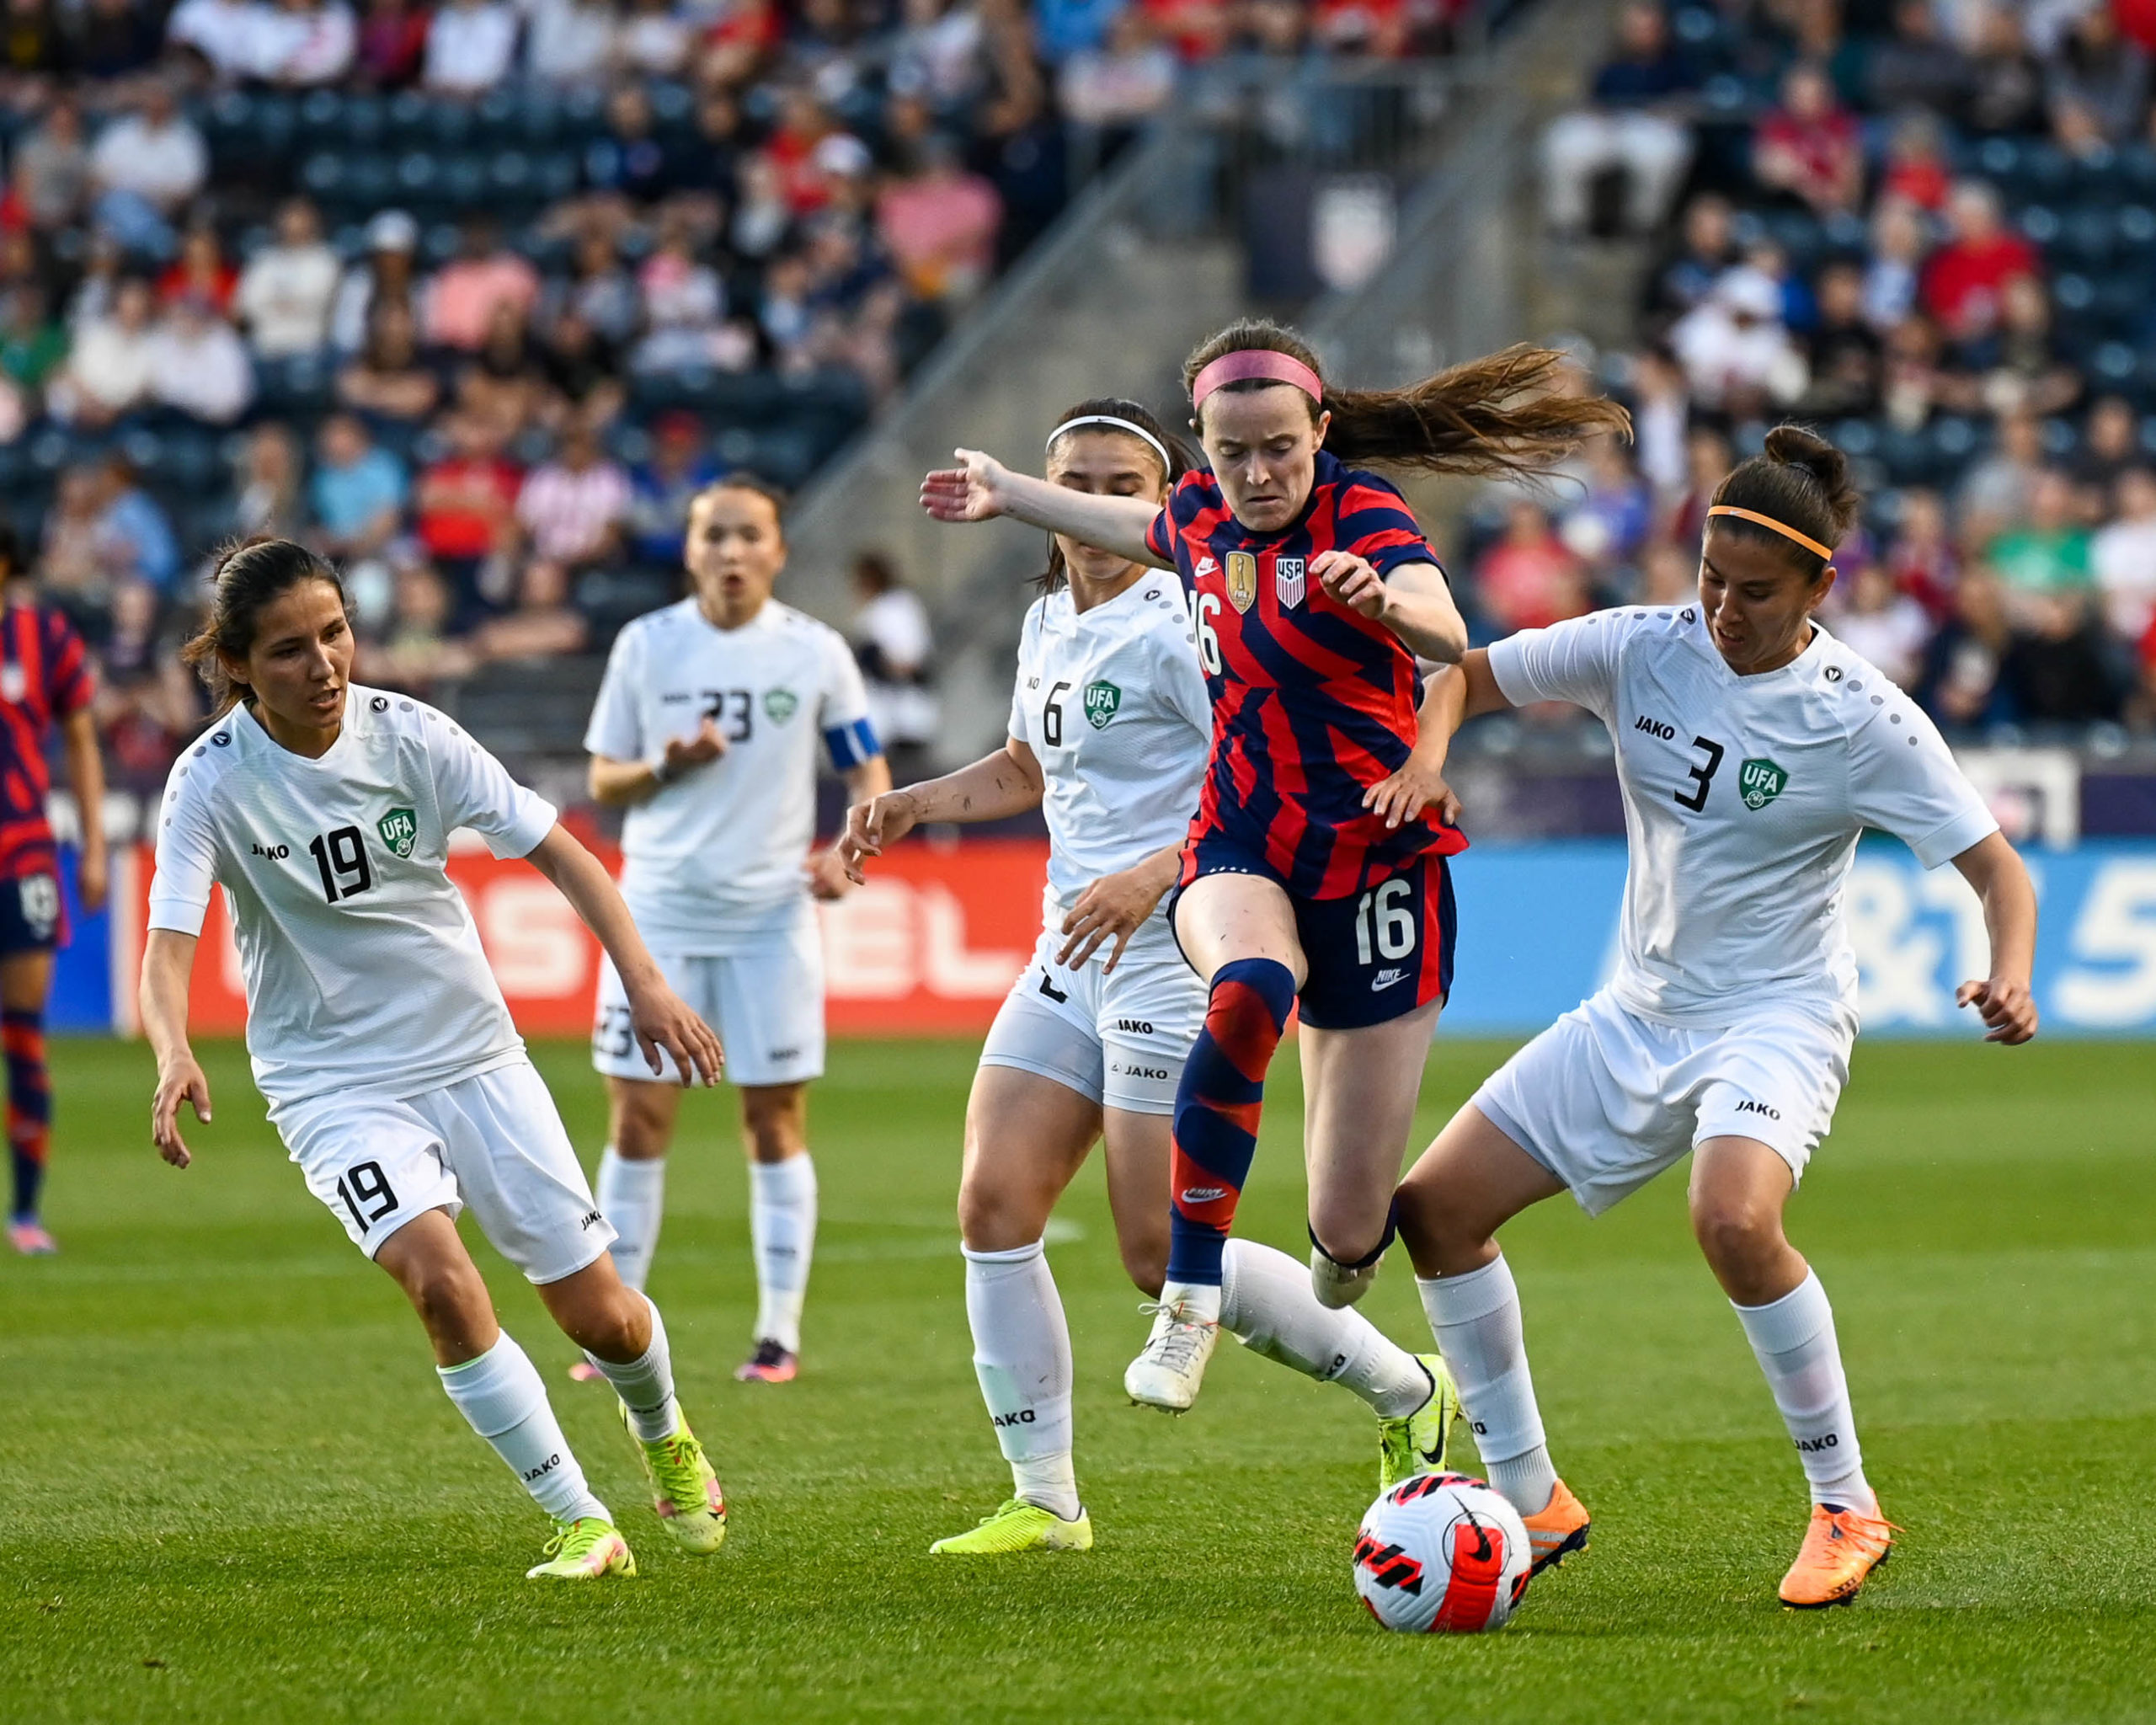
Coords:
pixel 1022 1355
pixel 1266 1304
pixel 1476 1318
pixel 782 1224
pixel 1200 1300
pixel 631 1196
pixel 501 1394
pixel 645 1384
pixel 1794 1339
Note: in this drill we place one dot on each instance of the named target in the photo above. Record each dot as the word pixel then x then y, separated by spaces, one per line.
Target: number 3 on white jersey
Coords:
pixel 1202 608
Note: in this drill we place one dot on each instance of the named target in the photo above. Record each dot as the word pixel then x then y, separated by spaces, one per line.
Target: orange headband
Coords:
pixel 1773 525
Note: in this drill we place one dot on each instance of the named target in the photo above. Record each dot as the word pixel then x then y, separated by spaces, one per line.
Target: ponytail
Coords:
pixel 1512 413
pixel 250 574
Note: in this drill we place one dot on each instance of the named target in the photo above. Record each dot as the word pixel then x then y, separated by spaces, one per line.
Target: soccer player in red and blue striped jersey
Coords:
pixel 1310 873
pixel 45 683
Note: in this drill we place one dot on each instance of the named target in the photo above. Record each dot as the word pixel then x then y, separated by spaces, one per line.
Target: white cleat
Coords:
pixel 1170 1368
pixel 1337 1285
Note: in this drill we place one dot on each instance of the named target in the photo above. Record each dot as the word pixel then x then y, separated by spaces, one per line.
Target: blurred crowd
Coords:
pixel 476 295
pixel 1929 228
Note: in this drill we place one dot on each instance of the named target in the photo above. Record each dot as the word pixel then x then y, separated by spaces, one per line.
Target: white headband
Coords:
pixel 1167 465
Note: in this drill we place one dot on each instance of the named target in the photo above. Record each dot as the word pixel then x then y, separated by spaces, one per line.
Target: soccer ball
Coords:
pixel 1441 1553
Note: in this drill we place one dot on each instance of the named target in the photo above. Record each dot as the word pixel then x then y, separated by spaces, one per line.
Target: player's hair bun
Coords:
pixel 1800 480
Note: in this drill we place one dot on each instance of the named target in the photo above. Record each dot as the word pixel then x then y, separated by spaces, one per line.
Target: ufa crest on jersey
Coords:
pixel 1242 580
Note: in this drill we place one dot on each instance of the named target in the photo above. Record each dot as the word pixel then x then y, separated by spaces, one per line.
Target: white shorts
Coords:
pixel 494 1142
pixel 1117 1038
pixel 766 1001
pixel 1606 1100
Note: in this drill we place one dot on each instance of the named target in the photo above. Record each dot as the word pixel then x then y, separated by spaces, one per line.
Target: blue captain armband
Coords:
pixel 852 743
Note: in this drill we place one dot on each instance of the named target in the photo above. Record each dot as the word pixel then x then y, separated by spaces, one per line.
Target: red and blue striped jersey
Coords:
pixel 45 675
pixel 1312 703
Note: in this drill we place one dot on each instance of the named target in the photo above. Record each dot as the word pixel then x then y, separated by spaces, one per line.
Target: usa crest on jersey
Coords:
pixel 1288 581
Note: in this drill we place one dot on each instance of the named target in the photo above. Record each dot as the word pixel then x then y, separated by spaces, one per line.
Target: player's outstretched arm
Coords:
pixel 1995 869
pixel 660 1018
pixel 86 778
pixel 1451 694
pixel 168 962
pixel 1007 782
pixel 1415 601
pixel 981 488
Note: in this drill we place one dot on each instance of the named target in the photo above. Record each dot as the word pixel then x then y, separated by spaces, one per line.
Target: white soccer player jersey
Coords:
pixel 1113 702
pixel 364 971
pixel 1744 797
pixel 717 855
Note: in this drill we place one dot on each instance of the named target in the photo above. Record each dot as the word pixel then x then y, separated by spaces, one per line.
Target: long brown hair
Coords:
pixel 1801 480
pixel 1510 413
pixel 1180 460
pixel 250 572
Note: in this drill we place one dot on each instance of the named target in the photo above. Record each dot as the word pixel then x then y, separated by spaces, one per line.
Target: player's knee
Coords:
pixel 1345 1232
pixel 1736 1230
pixel 1145 1261
pixel 643 1123
pixel 1442 1236
pixel 774 1124
pixel 618 1329
pixel 449 1298
pixel 993 1217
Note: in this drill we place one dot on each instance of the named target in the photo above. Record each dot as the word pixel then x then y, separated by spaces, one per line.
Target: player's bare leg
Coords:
pixel 781 1223
pixel 1359 1089
pixel 1739 1188
pixel 25 986
pixel 631 1189
pixel 1465 1187
pixel 1238 931
pixel 497 1389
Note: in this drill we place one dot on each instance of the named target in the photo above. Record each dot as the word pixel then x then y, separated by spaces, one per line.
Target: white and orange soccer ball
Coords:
pixel 1441 1553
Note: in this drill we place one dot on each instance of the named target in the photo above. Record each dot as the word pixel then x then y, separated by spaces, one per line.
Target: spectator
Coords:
pixel 2048 556
pixel 1845 356
pixel 1998 491
pixel 630 166
pixel 418 653
pixel 894 647
pixel 286 290
pixel 52 168
pixel 1609 524
pixel 268 504
pixel 2022 364
pixel 683 304
pixel 389 382
pixel 542 624
pixel 1917 67
pixel 573 508
pixel 504 384
pixel 938 222
pixel 582 373
pixel 600 290
pixel 1661 412
pixel 465 509
pixel 662 488
pixel 1809 147
pixel 199 366
pixel 1916 169
pixel 1634 123
pixel 1708 458
pixel 137 538
pixel 1921 560
pixel 385 276
pixel 225 33
pixel 1885 626
pixel 1530 578
pixel 461 299
pixel 200 270
pixel 109 370
pixel 2006 85
pixel 109 42
pixel 392 45
pixel 1706 248
pixel 1894 270
pixel 1735 352
pixel 77 563
pixel 568 41
pixel 2111 443
pixel 1915 381
pixel 1964 283
pixel 651 41
pixel 33 347
pixel 358 491
pixel 305 44
pixel 145 165
pixel 2097 86
pixel 1118 86
pixel 2123 559
pixel 471 45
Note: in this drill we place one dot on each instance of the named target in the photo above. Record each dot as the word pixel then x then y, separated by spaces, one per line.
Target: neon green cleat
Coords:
pixel 1018 1526
pixel 588 1550
pixel 1416 1442
pixel 684 1491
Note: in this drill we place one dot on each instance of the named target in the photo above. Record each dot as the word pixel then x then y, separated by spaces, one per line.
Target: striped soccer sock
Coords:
pixel 30 1106
pixel 1217 1106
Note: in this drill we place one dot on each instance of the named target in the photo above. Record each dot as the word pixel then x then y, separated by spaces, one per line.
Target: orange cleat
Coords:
pixel 1840 1549
pixel 585 1372
pixel 772 1363
pixel 1558 1531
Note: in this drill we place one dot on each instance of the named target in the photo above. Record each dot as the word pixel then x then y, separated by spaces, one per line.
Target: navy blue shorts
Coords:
pixel 30 914
pixel 1373 957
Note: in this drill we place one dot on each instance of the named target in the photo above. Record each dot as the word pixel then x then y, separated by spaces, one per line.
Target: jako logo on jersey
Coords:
pixel 779 705
pixel 1748 1107
pixel 1201 1194
pixel 1118 1068
pixel 1759 782
pixel 590 1216
pixel 399 830
pixel 776 1055
pixel 1385 978
pixel 1102 701
pixel 1133 1027
pixel 1288 581
pixel 276 853
pixel 1242 580
pixel 1655 727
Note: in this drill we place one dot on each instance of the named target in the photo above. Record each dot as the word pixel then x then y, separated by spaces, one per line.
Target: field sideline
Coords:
pixel 233 1491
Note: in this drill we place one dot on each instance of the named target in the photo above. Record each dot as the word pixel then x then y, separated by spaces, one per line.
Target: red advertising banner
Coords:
pixel 928 947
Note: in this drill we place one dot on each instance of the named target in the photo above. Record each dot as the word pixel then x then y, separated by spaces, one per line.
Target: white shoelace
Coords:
pixel 1176 1345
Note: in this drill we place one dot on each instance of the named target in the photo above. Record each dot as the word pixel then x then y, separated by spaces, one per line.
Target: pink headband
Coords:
pixel 1258 362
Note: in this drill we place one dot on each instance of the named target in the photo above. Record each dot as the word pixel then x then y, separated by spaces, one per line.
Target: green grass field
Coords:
pixel 231 1489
